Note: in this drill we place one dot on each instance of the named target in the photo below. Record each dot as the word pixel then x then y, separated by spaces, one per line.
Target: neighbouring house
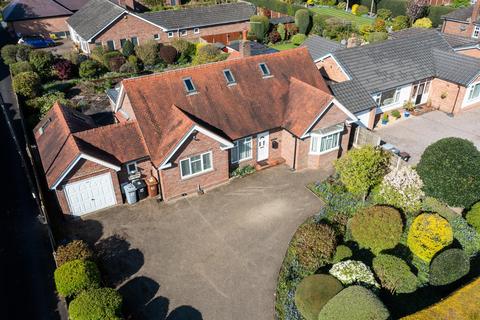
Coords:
pixel 463 22
pixel 192 127
pixel 417 65
pixel 40 17
pixel 105 23
pixel 242 48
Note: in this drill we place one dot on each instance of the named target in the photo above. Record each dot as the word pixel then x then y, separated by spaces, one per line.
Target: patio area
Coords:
pixel 413 135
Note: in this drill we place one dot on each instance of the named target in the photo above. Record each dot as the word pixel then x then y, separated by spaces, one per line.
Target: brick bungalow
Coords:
pixel 40 17
pixel 103 22
pixel 191 127
pixel 417 65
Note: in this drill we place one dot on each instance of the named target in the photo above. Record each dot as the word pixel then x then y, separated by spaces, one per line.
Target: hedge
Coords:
pixel 278 6
pixel 473 216
pixel 394 274
pixel 75 276
pixel 354 303
pixel 436 12
pixel 397 7
pixel 101 303
pixel 314 292
pixel 449 266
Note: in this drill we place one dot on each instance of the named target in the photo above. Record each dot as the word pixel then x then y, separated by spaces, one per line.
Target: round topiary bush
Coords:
pixel 168 54
pixel 101 303
pixel 314 292
pixel 377 228
pixel 77 249
pixel 351 271
pixel 394 274
pixel 473 216
pixel 298 39
pixel 450 171
pixel 314 243
pixel 302 20
pixel 75 276
pixel 27 84
pixel 354 303
pixel 342 253
pixel 428 234
pixel 449 266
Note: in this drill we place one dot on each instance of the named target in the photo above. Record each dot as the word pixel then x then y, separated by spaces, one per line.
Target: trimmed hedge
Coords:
pixel 473 216
pixel 314 292
pixel 302 20
pixel 354 303
pixel 448 267
pixel 278 6
pixel 75 250
pixel 96 304
pixel 394 274
pixel 397 7
pixel 75 276
pixel 377 228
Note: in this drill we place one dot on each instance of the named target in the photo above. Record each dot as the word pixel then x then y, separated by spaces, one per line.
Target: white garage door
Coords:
pixel 90 194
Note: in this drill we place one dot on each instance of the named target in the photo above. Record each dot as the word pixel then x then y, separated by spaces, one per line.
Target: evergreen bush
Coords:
pixel 75 276
pixel 394 274
pixel 75 250
pixel 449 266
pixel 96 304
pixel 27 84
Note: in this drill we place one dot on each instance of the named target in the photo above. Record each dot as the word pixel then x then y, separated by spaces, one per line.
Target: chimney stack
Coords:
pixel 244 45
pixel 127 4
pixel 476 8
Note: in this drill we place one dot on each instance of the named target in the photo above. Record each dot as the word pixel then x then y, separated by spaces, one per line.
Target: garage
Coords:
pixel 90 194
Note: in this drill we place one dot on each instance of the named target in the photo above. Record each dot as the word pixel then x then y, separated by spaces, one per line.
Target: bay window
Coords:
pixel 242 150
pixel 389 97
pixel 324 143
pixel 473 92
pixel 195 165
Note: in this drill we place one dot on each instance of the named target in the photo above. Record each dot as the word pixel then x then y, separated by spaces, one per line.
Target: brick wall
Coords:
pixel 331 70
pixel 173 185
pixel 288 147
pixel 208 32
pixel 459 28
pixel 144 166
pixel 453 95
pixel 40 26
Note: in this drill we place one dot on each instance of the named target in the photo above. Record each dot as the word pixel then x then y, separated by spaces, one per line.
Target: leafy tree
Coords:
pixel 282 31
pixel 64 69
pixel 75 276
pixel 302 20
pixel 168 54
pixel 450 170
pixel 41 105
pixel 128 48
pixel 90 69
pixel 354 303
pixel 361 169
pixel 314 292
pixel 77 249
pixel 449 266
pixel 423 23
pixel 100 303
pixel 27 84
pixel 473 216
pixel 428 234
pixel 185 48
pixel 19 67
pixel 416 9
pixel 377 228
pixel 206 53
pixel 259 26
pixel 42 62
pixel 394 274
pixel 400 23
pixel 9 53
pixel 148 52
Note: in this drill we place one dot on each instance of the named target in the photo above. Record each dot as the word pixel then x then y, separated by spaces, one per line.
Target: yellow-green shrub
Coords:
pixel 428 234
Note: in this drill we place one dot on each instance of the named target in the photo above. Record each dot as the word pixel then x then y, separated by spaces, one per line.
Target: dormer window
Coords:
pixel 189 85
pixel 264 70
pixel 42 129
pixel 229 77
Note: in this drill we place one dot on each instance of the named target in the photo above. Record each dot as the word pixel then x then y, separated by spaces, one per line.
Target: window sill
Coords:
pixel 196 174
pixel 323 152
pixel 243 160
pixel 267 77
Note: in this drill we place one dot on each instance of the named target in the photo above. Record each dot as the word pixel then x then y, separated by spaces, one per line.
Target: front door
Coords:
pixel 419 97
pixel 262 146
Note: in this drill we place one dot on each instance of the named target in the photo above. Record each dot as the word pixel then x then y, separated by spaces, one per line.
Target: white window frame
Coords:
pixel 236 150
pixel 468 99
pixel 203 171
pixel 132 171
pixel 170 34
pixel 183 33
pixel 265 75
pixel 194 90
pixel 156 36
pixel 319 138
pixel 137 40
pixel 476 32
pixel 396 98
pixel 229 83
pixel 196 30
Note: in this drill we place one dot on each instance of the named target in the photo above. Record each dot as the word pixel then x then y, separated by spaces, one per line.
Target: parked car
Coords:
pixel 36 42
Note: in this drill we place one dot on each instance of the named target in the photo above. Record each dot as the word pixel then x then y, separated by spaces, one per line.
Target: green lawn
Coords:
pixel 341 14
pixel 283 46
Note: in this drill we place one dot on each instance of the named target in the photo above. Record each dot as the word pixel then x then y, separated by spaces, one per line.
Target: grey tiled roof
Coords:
pixel 255 48
pixel 284 19
pixel 201 16
pixel 319 46
pixel 458 41
pixel 94 16
pixel 352 95
pixel 461 14
pixel 33 9
pixel 454 67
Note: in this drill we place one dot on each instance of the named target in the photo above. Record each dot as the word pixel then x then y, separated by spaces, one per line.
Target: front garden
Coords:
pixel 388 242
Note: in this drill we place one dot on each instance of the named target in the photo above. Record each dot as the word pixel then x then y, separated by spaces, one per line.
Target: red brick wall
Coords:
pixel 207 32
pixel 332 117
pixel 288 147
pixel 330 68
pixel 144 166
pixel 173 185
pixel 453 95
pixel 40 26
pixel 453 27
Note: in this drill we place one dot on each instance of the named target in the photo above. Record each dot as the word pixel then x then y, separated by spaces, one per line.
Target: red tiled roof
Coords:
pixel 253 105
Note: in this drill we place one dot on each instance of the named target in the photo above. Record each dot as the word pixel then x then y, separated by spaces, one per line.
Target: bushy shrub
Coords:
pixel 19 67
pixel 402 189
pixel 354 303
pixel 77 249
pixel 377 228
pixel 128 48
pixel 108 56
pixel 351 271
pixel 42 62
pixel 450 170
pixel 127 67
pixel 41 105
pixel 355 8
pixel 243 171
pixel 449 266
pixel 185 48
pixel 361 10
pixel 422 23
pixel 282 31
pixel 342 5
pixel 259 26
pixel 100 303
pixel 115 63
pixel 298 39
pixel 90 69
pixel 473 216
pixel 27 84
pixel 379 25
pixel 207 53
pixel 384 14
pixel 314 292
pixel 342 253
pixel 361 169
pixel 416 9
pixel 168 54
pixel 64 69
pixel 274 37
pixel 428 234
pixel 133 60
pixel 9 53
pixel 400 23
pixel 302 20
pixel 377 36
pixel 74 57
pixel 75 276
pixel 394 274
pixel 319 23
pixel 148 52
pixel 461 3
pixel 23 52
pixel 314 242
